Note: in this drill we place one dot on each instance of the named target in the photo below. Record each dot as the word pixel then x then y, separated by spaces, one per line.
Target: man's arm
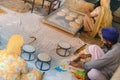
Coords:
pixel 99 63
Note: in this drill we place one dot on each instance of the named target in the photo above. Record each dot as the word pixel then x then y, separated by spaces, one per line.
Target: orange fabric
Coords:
pixel 79 77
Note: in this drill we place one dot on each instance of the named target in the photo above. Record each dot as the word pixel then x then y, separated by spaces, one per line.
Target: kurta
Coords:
pixel 108 63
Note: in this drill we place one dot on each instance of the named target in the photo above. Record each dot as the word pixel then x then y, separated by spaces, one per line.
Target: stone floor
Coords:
pixel 30 24
pixel 16 5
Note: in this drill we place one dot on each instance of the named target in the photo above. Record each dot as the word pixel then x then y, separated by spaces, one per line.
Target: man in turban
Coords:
pixel 103 65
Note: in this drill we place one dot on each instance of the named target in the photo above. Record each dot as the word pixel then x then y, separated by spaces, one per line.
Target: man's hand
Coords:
pixel 83 56
pixel 72 63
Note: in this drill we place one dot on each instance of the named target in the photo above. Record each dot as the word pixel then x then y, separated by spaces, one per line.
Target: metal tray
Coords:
pixel 60 21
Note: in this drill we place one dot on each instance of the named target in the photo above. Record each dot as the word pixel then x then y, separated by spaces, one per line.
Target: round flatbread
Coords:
pixel 69 18
pixel 78 20
pixel 65 10
pixel 74 25
pixel 61 13
pixel 72 14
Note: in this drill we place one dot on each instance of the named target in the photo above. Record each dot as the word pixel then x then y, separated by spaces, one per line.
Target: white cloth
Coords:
pixel 94 74
pixel 95 51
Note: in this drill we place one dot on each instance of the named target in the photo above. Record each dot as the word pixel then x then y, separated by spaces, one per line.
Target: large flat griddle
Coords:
pixel 61 22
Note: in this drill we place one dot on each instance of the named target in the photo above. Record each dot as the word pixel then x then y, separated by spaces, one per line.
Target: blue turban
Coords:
pixel 110 34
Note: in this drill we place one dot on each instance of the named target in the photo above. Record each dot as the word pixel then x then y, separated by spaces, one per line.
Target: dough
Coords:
pixel 61 13
pixel 69 18
pixel 79 20
pixel 65 10
pixel 72 14
pixel 74 25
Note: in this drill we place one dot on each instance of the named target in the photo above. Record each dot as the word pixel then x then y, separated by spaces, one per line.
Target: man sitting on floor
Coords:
pixel 102 67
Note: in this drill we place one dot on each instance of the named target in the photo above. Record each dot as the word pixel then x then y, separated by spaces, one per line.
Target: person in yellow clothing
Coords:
pixel 99 18
pixel 12 66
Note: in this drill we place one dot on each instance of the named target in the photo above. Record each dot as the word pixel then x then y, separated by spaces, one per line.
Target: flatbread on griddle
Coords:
pixel 61 13
pixel 74 25
pixel 65 10
pixel 68 18
pixel 72 14
pixel 79 20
